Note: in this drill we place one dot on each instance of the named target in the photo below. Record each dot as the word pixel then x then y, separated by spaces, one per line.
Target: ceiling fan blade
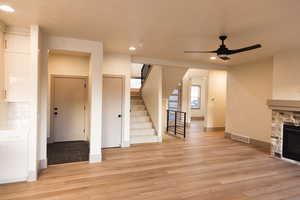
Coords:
pixel 200 51
pixel 243 49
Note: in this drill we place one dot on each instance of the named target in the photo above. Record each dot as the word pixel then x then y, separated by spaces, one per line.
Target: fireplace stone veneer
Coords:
pixel 283 112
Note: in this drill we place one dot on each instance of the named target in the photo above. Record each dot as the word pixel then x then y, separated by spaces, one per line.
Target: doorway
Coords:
pixel 112 110
pixel 69 120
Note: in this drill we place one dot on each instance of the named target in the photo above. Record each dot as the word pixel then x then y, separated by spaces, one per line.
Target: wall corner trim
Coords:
pixel 125 144
pixel 95 158
pixel 43 164
pixel 32 176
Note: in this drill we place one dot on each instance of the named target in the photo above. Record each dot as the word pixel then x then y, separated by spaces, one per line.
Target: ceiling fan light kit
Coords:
pixel 223 52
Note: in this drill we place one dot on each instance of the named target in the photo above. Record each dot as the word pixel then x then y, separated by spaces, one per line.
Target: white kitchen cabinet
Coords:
pixel 17 43
pixel 18 68
pixel 18 76
pixel 14 156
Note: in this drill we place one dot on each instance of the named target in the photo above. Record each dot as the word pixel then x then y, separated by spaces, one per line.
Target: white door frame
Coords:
pixel 95 49
pixel 122 77
pixel 87 111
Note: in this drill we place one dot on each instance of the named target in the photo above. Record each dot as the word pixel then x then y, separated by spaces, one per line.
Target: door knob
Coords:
pixel 119 115
pixel 55 108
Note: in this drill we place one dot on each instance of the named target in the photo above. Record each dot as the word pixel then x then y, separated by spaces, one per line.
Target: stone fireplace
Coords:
pixel 284 112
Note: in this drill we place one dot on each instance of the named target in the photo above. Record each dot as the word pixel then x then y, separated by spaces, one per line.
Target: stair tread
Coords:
pixel 141 122
pixel 142 136
pixel 144 139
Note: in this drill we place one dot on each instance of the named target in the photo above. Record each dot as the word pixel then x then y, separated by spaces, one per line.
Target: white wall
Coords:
pixel 249 87
pixel 216 103
pixel 3 104
pixel 152 96
pixel 136 70
pixel 186 96
pixel 172 77
pixel 61 64
pixel 286 81
pixel 120 64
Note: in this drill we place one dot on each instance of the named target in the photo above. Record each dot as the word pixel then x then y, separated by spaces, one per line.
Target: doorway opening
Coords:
pixel 204 99
pixel 69 108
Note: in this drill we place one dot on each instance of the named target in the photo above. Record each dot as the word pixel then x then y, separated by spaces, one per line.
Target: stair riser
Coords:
pixel 135 97
pixel 140 140
pixel 138 106
pixel 139 119
pixel 136 103
pixel 140 132
pixel 140 125
pixel 138 114
pixel 138 109
pixel 136 100
pixel 144 134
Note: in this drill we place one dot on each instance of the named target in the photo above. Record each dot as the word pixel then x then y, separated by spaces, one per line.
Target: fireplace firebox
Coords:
pixel 291 142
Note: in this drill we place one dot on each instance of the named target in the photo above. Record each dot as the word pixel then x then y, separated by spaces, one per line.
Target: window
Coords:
pixel 195 97
pixel 135 83
pixel 173 98
pixel 176 91
pixel 173 105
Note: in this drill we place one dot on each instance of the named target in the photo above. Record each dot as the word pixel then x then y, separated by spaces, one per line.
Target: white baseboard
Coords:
pixel 125 144
pixel 159 139
pixel 12 180
pixel 95 158
pixel 32 176
pixel 43 164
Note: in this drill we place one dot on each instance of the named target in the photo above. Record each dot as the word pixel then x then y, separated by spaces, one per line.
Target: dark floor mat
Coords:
pixel 67 152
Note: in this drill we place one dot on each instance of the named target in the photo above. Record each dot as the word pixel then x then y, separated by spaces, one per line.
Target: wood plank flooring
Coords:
pixel 204 167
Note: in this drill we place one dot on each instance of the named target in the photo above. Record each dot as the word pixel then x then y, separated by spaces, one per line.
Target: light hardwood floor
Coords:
pixel 204 167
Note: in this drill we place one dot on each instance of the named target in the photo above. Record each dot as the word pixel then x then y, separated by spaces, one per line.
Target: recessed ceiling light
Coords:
pixel 213 58
pixel 132 48
pixel 6 8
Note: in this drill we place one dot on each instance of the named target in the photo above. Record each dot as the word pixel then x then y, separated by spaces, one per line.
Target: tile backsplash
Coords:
pixel 17 115
pixel 3 114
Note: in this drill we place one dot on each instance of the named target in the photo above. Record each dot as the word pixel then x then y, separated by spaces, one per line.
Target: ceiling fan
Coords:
pixel 223 52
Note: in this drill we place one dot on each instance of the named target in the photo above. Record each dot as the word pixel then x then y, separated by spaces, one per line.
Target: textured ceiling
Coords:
pixel 165 28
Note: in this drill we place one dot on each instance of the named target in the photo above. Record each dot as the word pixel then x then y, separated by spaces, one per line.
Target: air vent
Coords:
pixel 240 138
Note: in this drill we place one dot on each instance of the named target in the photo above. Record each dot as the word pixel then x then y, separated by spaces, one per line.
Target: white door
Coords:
pixel 112 112
pixel 68 110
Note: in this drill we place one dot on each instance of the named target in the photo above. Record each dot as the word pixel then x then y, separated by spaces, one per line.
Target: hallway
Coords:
pixel 204 166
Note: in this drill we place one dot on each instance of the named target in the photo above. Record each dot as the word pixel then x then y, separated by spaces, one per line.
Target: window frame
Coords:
pixel 199 97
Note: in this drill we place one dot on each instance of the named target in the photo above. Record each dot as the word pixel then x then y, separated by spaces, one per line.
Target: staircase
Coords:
pixel 141 128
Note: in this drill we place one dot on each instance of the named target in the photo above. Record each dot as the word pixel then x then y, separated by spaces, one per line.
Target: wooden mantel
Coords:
pixel 285 105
